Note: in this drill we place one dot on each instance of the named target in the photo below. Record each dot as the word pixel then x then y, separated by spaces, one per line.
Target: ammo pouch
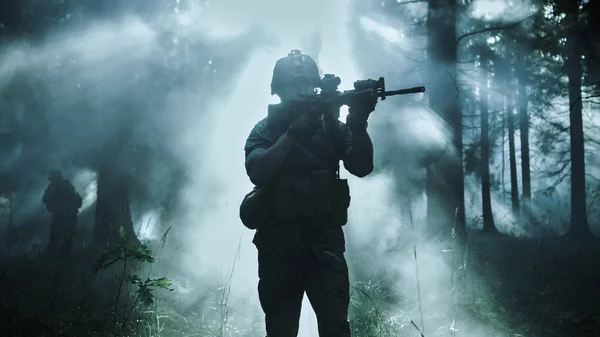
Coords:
pixel 341 202
pixel 254 210
pixel 314 194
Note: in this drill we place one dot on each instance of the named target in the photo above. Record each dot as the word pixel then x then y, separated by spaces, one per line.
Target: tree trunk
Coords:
pixel 486 198
pixel 524 127
pixel 113 188
pixel 112 209
pixel 579 222
pixel 445 179
pixel 502 181
pixel 514 185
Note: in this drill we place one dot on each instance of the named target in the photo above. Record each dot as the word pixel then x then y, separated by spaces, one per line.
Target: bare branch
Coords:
pixel 589 175
pixel 561 169
pixel 591 139
pixel 479 115
pixel 455 83
pixel 558 126
pixel 409 2
pixel 488 29
pixel 558 181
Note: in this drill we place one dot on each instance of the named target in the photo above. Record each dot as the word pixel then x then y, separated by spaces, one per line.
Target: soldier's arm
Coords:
pixel 46 196
pixel 264 158
pixel 358 151
pixel 72 193
pixel 48 200
pixel 68 187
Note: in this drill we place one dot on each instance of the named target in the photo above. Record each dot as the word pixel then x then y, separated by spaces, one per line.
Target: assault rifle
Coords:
pixel 329 100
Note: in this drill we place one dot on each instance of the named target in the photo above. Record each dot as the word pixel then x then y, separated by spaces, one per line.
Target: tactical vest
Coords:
pixel 308 185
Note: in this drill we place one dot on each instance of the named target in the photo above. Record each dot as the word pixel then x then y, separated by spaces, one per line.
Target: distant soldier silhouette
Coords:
pixel 64 203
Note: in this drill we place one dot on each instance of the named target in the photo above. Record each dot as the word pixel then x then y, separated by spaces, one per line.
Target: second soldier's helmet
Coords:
pixel 295 75
pixel 54 175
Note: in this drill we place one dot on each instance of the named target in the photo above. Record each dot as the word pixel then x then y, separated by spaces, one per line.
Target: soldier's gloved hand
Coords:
pixel 304 127
pixel 359 109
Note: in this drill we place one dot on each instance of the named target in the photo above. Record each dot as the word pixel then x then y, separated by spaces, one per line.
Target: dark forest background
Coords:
pixel 510 184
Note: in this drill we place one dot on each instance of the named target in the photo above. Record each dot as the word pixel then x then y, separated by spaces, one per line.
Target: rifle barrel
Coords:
pixel 412 90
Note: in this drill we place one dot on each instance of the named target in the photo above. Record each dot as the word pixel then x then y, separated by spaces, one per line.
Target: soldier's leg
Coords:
pixel 280 292
pixel 69 234
pixel 328 290
pixel 54 233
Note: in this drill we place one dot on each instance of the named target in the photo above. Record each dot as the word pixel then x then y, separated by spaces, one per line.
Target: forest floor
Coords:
pixel 543 288
pixel 550 286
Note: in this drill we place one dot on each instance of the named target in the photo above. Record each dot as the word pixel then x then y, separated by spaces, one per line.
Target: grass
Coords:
pixel 510 287
pixel 548 287
pixel 518 287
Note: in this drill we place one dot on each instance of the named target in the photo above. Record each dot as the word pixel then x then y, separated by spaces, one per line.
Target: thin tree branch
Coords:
pixel 560 169
pixel 409 2
pixel 488 29
pixel 592 176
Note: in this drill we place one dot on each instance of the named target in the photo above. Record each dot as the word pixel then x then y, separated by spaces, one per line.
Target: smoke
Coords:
pixel 501 10
pixel 212 233
pixel 221 183
pixel 194 80
pixel 219 232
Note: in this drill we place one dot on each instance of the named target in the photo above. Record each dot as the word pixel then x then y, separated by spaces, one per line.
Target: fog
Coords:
pixel 192 81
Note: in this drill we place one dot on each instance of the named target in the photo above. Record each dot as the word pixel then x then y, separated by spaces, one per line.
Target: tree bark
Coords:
pixel 524 128
pixel 502 180
pixel 486 198
pixel 514 185
pixel 579 221
pixel 445 179
pixel 112 208
pixel 113 188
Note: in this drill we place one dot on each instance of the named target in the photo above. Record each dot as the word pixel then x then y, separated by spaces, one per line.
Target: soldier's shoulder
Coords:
pixel 261 125
pixel 65 183
pixel 261 129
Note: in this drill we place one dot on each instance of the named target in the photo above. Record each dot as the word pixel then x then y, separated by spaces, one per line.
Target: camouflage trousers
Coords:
pixel 284 278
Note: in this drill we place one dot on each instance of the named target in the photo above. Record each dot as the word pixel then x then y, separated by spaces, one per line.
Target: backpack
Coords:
pixel 78 201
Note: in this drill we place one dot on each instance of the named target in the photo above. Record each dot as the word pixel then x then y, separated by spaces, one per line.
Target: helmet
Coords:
pixel 55 175
pixel 295 75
